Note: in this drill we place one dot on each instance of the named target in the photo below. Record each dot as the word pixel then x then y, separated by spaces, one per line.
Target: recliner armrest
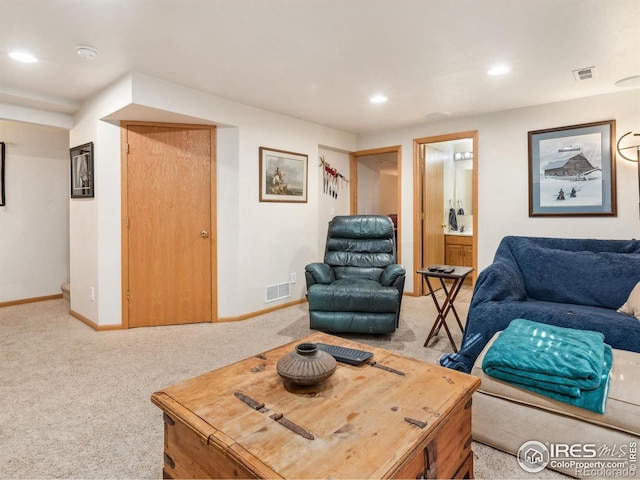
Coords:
pixel 391 274
pixel 319 273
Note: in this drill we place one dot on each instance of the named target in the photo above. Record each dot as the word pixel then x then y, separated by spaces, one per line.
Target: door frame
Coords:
pixel 353 184
pixel 124 256
pixel 418 287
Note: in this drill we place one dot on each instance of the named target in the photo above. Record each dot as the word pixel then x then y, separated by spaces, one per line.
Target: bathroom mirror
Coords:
pixel 455 158
pixel 464 185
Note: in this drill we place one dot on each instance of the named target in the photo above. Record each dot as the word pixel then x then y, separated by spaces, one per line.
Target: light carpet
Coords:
pixel 75 403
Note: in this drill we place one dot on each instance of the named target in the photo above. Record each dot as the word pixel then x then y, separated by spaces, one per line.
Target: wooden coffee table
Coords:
pixel 410 420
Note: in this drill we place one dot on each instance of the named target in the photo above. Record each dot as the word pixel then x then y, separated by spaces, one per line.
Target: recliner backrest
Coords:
pixel 360 246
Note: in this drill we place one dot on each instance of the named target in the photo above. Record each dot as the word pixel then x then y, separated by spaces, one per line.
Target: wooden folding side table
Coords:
pixel 458 276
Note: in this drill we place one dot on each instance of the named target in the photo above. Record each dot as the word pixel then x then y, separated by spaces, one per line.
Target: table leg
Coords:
pixel 436 325
pixel 451 297
pixel 444 309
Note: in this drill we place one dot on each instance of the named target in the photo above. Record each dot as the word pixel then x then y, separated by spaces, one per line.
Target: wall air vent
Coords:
pixel 277 292
pixel 584 73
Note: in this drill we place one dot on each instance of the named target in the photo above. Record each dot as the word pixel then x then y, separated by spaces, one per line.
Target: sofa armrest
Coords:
pixel 499 282
pixel 319 273
pixel 392 274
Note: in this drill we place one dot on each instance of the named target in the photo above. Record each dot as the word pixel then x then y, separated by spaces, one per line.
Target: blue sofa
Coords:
pixel 574 283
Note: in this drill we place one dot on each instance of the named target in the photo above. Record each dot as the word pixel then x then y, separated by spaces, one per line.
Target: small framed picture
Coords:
pixel 572 170
pixel 82 171
pixel 283 176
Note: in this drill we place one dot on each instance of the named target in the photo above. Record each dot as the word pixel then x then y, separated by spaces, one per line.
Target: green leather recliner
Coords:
pixel 359 286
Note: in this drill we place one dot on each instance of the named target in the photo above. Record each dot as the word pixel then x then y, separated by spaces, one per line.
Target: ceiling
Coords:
pixel 321 60
pixel 381 162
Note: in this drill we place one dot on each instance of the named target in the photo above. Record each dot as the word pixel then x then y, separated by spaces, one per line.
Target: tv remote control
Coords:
pixel 346 355
pixel 441 268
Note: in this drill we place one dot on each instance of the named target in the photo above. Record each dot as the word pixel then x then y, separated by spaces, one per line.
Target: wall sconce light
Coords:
pixel 629 147
pixel 463 155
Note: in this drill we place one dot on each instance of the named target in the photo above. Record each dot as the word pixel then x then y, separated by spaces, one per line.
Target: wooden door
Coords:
pixel 168 221
pixel 433 206
pixel 429 207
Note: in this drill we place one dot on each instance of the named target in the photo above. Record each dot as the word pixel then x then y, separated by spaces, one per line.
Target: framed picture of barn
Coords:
pixel 572 170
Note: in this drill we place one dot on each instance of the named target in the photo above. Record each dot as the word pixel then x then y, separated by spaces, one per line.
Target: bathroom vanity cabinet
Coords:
pixel 458 250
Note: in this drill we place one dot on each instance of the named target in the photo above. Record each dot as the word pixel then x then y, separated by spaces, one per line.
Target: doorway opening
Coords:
pixel 445 199
pixel 375 185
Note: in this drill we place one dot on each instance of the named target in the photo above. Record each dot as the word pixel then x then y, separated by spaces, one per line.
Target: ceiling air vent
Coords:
pixel 584 73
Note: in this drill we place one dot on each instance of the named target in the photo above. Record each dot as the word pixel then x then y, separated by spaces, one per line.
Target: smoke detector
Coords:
pixel 88 53
pixel 586 73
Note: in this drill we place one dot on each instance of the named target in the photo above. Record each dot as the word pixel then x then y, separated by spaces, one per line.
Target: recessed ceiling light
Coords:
pixel 629 82
pixel 438 115
pixel 23 57
pixel 86 52
pixel 378 99
pixel 498 70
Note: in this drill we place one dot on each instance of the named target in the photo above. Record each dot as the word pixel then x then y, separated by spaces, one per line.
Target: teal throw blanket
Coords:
pixel 565 364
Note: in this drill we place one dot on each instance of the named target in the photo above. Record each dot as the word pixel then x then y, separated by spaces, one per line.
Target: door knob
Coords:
pixel 204 234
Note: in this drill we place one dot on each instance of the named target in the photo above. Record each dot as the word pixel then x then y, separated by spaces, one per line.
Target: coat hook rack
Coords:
pixel 332 179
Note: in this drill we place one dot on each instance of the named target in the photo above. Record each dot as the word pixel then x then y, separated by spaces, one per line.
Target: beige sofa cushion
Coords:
pixel 623 402
pixel 632 305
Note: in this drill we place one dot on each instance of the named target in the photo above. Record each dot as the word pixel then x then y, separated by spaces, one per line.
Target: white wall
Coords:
pixel 95 222
pixel 228 147
pixel 328 206
pixel 368 190
pixel 34 116
pixel 34 224
pixel 262 243
pixel 259 243
pixel 503 207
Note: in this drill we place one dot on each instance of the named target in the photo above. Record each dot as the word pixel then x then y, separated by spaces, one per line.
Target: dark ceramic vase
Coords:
pixel 307 365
